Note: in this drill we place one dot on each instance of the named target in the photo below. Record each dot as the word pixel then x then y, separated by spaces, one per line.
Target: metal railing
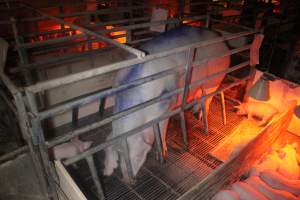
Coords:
pixel 30 117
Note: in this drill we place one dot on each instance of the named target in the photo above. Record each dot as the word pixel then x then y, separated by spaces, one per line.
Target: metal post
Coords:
pixel 24 126
pixel 188 76
pixel 92 167
pixel 21 51
pixel 38 132
pixel 158 143
pixel 204 114
pixel 102 106
pixel 125 161
pixel 223 108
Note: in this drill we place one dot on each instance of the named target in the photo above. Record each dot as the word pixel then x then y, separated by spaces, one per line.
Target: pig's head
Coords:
pixel 241 109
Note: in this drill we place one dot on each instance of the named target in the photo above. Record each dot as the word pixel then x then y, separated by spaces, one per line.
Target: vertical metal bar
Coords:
pixel 22 53
pixel 204 115
pixel 124 155
pixel 207 21
pixel 188 76
pixel 38 131
pixel 102 106
pixel 75 112
pixel 158 142
pixel 183 128
pixel 92 167
pixel 223 108
pixel 24 126
pixel 129 31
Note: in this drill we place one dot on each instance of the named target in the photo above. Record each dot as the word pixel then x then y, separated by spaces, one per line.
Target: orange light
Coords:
pixel 116 33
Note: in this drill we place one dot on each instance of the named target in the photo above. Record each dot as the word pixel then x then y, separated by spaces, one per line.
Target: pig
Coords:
pixel 246 192
pixel 70 149
pixel 269 162
pixel 289 167
pixel 141 143
pixel 277 181
pixel 264 111
pixel 226 195
pixel 266 190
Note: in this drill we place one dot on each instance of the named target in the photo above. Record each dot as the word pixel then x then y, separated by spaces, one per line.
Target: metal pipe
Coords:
pixel 12 154
pixel 158 142
pixel 71 104
pixel 98 124
pixel 95 177
pixel 119 138
pixel 116 66
pixel 140 128
pixel 115 29
pixel 75 103
pixel 60 60
pixel 136 52
pixel 22 53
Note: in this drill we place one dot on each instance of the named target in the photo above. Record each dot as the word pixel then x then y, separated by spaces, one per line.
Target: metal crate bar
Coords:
pixel 136 52
pixel 75 103
pixel 116 66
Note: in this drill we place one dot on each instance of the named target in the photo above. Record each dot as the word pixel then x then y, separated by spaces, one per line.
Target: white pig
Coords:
pixel 140 143
pixel 246 192
pixel 70 149
pixel 289 167
pixel 269 192
pixel 269 162
pixel 277 181
pixel 226 195
pixel 264 111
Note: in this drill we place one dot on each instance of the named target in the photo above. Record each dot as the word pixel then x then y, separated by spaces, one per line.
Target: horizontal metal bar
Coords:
pixel 12 154
pixel 98 124
pixel 63 59
pixel 211 77
pixel 119 138
pixel 75 103
pixel 77 14
pixel 115 29
pixel 82 130
pixel 136 52
pixel 114 140
pixel 116 66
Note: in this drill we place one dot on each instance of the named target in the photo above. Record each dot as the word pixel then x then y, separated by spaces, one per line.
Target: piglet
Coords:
pixel 289 167
pixel 226 195
pixel 246 192
pixel 267 191
pixel 269 162
pixel 70 149
pixel 264 111
pixel 277 181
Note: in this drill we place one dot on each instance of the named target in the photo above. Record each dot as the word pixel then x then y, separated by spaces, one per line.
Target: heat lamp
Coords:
pixel 261 89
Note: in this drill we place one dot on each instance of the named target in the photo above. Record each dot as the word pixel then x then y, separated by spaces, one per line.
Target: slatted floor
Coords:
pixel 181 171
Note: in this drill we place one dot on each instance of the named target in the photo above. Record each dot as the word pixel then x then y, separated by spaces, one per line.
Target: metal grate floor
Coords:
pixel 182 170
